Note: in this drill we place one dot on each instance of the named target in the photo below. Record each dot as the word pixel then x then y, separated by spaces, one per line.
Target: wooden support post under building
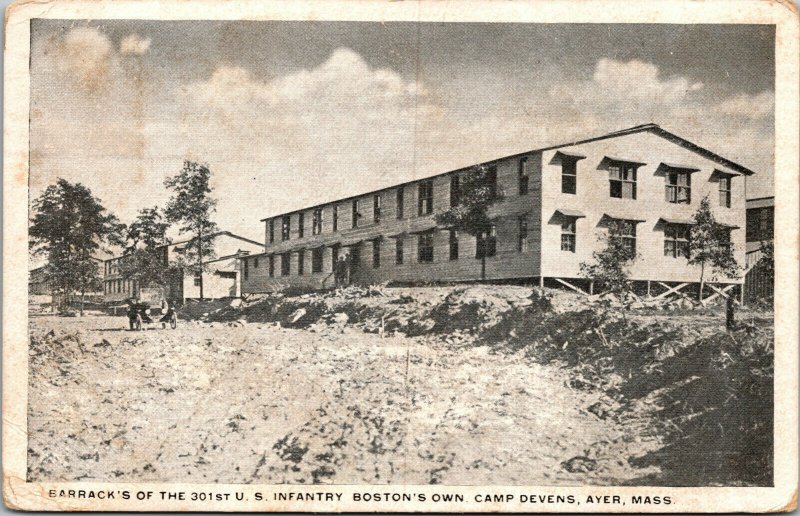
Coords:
pixel 591 287
pixel 648 288
pixel 541 281
pixel 741 294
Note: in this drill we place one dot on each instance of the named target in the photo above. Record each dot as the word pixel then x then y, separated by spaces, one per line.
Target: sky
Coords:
pixel 290 114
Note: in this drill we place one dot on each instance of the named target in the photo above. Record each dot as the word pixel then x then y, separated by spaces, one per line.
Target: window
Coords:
pixel 316 259
pixel 301 222
pixel 425 247
pixel 272 231
pixel 286 264
pixel 398 251
pixel 335 218
pixel 524 179
pixel 679 186
pixel 676 240
pixel 491 181
pixel 355 254
pixel 271 266
pixel 725 191
pixel 425 199
pixel 198 279
pixel 622 178
pixel 334 256
pixel 400 202
pixel 765 223
pixel 486 243
pixel 625 232
pixel 376 209
pixel 455 190
pixel 286 223
pixel 246 268
pixel 316 221
pixel 376 253
pixel 569 176
pixel 522 243
pixel 255 263
pixel 301 258
pixel 356 213
pixel 568 235
pixel 454 244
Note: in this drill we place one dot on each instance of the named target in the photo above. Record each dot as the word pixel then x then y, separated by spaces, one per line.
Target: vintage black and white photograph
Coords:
pixel 402 253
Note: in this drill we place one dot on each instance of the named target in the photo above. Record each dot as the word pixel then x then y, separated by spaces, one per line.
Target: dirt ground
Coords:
pixel 254 402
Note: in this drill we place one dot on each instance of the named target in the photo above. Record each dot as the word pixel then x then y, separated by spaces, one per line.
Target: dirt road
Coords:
pixel 258 403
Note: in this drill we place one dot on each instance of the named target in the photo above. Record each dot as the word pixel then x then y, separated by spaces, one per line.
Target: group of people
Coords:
pixel 343 270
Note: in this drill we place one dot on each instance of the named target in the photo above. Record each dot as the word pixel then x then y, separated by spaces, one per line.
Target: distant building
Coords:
pixel 760 225
pixel 556 201
pixel 220 281
pixel 41 290
pixel 759 283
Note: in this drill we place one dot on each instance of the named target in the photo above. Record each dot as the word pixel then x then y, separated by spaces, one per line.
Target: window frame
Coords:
pixel 566 165
pixel 301 219
pixel 317 217
pixel 376 253
pixel 425 202
pixel 335 218
pixel 727 180
pixel 569 234
pixel 455 190
pixel 286 264
pixel 629 239
pixel 399 249
pixel 377 202
pixel 301 258
pixel 356 212
pixel 523 177
pixel 486 243
pixel 272 266
pixel 317 259
pixel 673 190
pixel 623 169
pixel 677 243
pixel 425 254
pixel 453 238
pixel 400 202
pixel 523 232
pixel 271 230
pixel 286 227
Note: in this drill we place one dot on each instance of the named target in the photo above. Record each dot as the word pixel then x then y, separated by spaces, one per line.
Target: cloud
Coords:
pixel 757 106
pixel 134 45
pixel 85 54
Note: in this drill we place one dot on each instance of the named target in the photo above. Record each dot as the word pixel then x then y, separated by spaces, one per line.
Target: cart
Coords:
pixel 139 313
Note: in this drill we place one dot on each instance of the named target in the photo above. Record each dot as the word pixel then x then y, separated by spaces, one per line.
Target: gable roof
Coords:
pixel 651 128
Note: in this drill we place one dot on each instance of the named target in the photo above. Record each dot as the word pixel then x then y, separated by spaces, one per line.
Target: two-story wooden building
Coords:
pixel 556 202
pixel 222 279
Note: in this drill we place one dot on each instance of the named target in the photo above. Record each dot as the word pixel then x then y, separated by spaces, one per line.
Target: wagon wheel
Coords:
pixel 173 321
pixel 138 321
pixel 132 323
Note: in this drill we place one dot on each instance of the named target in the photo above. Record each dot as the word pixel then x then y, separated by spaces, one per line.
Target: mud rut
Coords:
pixel 260 404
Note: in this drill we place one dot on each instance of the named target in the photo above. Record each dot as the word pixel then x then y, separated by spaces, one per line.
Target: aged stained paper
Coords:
pixel 238 276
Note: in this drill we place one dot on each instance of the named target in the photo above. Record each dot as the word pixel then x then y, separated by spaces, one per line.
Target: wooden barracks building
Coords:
pixel 556 201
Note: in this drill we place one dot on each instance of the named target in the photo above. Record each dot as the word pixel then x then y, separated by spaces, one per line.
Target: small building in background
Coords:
pixel 220 280
pixel 759 283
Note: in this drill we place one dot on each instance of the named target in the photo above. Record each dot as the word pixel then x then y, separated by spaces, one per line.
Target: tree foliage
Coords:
pixel 192 208
pixel 478 191
pixel 69 227
pixel 767 260
pixel 610 267
pixel 710 246
pixel 144 260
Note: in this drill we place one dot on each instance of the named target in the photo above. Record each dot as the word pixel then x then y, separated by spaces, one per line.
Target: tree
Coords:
pixel 767 260
pixel 69 227
pixel 477 192
pixel 143 261
pixel 710 246
pixel 192 208
pixel 610 269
